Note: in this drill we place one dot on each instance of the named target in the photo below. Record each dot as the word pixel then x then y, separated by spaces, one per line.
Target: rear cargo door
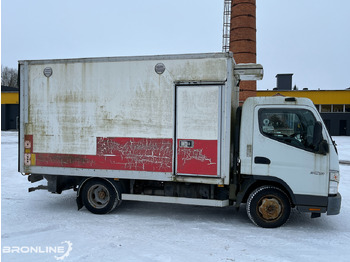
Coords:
pixel 198 110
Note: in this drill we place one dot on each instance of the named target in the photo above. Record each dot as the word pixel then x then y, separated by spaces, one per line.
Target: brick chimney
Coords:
pixel 243 40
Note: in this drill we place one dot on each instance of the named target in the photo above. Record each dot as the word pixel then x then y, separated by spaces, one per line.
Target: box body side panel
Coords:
pixel 114 115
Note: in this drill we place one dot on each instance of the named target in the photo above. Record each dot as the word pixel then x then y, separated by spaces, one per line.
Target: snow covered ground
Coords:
pixel 35 222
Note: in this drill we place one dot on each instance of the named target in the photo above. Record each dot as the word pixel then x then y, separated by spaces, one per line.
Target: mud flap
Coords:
pixel 79 202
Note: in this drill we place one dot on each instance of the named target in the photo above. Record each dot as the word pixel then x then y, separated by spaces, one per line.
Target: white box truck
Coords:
pixel 170 129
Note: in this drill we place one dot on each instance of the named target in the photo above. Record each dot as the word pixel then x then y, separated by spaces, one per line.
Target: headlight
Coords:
pixel 334 182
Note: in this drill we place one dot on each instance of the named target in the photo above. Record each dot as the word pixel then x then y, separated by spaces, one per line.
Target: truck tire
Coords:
pixel 100 196
pixel 268 207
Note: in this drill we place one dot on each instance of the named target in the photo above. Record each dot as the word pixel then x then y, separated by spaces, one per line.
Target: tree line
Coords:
pixel 9 76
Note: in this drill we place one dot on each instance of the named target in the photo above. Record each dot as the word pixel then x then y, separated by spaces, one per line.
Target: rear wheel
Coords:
pixel 268 207
pixel 100 196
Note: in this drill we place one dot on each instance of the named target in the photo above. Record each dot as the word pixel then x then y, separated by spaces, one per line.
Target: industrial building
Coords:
pixel 333 105
pixel 9 108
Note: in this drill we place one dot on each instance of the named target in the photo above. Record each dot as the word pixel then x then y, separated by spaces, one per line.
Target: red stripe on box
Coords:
pixel 136 154
pixel 201 159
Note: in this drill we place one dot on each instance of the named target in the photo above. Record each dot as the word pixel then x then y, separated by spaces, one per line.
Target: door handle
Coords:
pixel 262 160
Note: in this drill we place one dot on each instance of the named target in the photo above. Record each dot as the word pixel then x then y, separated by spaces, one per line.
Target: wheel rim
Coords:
pixel 98 196
pixel 270 208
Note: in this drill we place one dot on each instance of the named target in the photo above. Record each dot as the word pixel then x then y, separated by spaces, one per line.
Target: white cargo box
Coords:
pixel 161 118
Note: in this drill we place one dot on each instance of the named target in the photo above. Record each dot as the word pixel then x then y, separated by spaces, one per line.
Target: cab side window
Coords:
pixel 294 127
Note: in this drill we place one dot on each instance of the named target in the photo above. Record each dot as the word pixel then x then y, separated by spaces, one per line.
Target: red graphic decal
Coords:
pixel 201 159
pixel 137 154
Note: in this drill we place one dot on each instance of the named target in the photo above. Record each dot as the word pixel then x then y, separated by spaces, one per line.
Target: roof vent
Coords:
pixel 159 68
pixel 48 71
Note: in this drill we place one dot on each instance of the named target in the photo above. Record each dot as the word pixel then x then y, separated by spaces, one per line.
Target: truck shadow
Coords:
pixel 182 212
pixel 175 213
pixel 230 216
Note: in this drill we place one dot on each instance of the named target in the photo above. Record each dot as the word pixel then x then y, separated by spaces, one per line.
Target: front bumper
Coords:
pixel 334 203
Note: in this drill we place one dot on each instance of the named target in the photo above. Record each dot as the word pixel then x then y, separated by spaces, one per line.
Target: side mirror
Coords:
pixel 320 145
pixel 323 148
pixel 317 134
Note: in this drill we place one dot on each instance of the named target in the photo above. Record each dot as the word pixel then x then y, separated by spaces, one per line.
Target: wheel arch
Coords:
pixel 251 183
pixel 79 200
pixel 268 207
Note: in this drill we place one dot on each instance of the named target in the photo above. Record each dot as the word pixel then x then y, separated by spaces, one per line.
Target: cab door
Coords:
pixel 197 131
pixel 283 148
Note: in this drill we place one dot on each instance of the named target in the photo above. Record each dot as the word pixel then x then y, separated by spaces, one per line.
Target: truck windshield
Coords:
pixel 291 126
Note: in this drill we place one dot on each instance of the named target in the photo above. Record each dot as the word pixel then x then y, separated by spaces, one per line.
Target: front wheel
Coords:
pixel 100 196
pixel 268 207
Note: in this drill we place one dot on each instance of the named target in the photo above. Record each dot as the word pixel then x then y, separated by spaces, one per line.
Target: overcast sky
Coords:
pixel 309 38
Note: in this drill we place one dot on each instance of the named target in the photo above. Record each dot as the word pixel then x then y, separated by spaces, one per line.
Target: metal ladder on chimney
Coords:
pixel 226 26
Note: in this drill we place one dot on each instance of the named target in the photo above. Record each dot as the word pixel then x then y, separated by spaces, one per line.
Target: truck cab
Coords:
pixel 285 147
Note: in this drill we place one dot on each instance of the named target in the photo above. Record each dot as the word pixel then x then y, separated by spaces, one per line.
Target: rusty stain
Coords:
pixel 65 160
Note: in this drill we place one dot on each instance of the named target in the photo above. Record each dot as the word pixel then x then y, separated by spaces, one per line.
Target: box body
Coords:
pixel 157 117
